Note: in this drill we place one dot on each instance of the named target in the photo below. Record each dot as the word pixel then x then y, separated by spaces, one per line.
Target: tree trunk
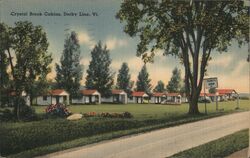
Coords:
pixel 193 100
pixel 193 106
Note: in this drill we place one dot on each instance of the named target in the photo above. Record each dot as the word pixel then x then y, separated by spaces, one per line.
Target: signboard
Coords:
pixel 211 82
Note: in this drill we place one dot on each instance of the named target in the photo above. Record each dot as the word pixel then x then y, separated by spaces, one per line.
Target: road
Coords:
pixel 164 142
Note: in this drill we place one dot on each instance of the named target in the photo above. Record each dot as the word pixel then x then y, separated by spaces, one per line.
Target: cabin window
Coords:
pixel 44 97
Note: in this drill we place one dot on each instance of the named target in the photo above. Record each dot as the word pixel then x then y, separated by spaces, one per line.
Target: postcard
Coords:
pixel 124 78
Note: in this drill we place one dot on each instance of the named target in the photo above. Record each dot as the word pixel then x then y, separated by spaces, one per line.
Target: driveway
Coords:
pixel 164 142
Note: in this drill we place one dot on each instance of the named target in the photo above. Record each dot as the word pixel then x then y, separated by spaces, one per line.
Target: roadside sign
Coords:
pixel 211 82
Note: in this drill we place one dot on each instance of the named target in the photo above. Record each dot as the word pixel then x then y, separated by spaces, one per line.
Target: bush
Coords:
pixel 26 113
pixel 244 98
pixel 6 115
pixel 57 110
pixel 127 115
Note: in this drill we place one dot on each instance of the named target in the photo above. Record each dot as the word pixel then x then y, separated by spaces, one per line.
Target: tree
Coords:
pixel 29 47
pixel 4 77
pixel 160 87
pixel 190 30
pixel 143 81
pixel 174 85
pixel 99 75
pixel 70 71
pixel 123 79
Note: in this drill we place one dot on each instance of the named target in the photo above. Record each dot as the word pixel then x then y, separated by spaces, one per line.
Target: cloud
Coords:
pixel 237 78
pixel 223 62
pixel 238 69
pixel 113 43
pixel 85 38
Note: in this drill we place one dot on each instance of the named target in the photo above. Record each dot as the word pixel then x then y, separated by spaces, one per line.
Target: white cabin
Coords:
pixel 118 96
pixel 158 98
pixel 88 96
pixel 53 97
pixel 139 97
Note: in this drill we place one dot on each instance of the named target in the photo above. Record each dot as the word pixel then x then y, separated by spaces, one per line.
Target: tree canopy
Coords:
pixel 174 85
pixel 123 79
pixel 70 71
pixel 99 75
pixel 27 45
pixel 160 87
pixel 190 30
pixel 143 81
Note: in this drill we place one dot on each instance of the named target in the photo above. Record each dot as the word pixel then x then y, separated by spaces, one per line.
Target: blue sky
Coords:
pixel 231 67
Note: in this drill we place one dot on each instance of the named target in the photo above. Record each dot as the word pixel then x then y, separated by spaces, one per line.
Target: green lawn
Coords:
pixel 218 148
pixel 50 135
pixel 145 111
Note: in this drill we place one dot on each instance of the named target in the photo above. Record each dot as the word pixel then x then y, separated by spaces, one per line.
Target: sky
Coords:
pixel 230 67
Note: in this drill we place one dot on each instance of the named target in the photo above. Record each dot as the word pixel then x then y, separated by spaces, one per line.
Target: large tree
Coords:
pixel 4 63
pixel 27 51
pixel 123 79
pixel 99 75
pixel 160 87
pixel 143 81
pixel 70 71
pixel 190 29
pixel 174 85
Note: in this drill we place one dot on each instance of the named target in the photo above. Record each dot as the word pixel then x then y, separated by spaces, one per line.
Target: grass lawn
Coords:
pixel 50 135
pixel 146 111
pixel 218 148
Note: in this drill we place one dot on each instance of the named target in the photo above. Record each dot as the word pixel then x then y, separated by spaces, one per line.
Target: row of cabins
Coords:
pixel 119 96
pixel 94 97
pixel 220 95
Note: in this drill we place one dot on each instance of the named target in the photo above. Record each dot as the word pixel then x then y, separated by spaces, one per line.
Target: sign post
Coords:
pixel 210 83
pixel 205 98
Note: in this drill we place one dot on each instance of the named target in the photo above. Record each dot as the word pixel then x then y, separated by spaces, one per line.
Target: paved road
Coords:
pixel 164 142
pixel 239 154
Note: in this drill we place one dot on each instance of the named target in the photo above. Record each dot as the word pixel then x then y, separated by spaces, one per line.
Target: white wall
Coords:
pixel 51 100
pixel 131 100
pixel 108 100
pixel 79 100
pixel 40 100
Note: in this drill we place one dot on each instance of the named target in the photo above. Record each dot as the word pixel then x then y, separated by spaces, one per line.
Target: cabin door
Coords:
pixel 57 99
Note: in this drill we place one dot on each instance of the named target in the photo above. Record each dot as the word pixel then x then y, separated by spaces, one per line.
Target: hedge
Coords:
pixel 14 140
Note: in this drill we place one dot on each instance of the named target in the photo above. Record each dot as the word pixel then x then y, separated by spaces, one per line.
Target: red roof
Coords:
pixel 138 94
pixel 225 91
pixel 117 91
pixel 158 94
pixel 173 94
pixel 207 94
pixel 56 91
pixel 88 91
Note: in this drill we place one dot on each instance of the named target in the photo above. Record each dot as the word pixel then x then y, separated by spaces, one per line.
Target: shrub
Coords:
pixel 57 110
pixel 127 115
pixel 244 98
pixel 90 114
pixel 27 113
pixel 6 115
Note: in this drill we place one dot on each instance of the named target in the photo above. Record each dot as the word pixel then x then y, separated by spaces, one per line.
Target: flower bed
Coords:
pixel 57 110
pixel 108 115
